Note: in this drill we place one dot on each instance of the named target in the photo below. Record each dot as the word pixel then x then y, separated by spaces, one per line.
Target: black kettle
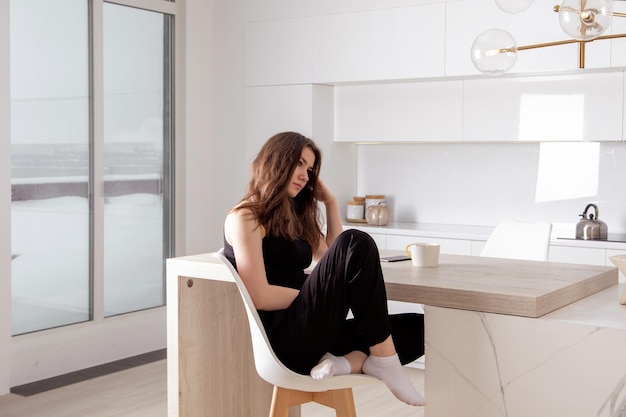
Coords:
pixel 590 228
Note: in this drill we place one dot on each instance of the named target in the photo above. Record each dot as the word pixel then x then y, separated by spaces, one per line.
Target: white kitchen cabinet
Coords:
pixel 397 43
pixel 577 255
pixel 399 112
pixel 380 239
pixel 575 107
pixel 449 246
pixel 477 247
pixel 386 44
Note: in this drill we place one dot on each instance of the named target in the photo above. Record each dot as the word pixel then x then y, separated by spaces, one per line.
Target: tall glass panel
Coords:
pixel 50 164
pixel 137 114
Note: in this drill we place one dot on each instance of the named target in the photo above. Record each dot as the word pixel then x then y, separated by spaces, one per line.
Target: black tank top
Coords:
pixel 285 260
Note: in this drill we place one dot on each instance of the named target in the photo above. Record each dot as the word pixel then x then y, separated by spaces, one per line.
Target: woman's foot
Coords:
pixel 392 373
pixel 330 365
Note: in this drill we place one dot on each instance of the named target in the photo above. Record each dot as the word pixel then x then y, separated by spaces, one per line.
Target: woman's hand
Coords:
pixel 323 194
pixel 333 218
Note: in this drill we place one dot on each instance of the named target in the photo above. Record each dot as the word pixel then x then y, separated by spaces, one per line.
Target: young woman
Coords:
pixel 272 236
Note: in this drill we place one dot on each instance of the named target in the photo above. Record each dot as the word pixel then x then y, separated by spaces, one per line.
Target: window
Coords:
pixel 76 246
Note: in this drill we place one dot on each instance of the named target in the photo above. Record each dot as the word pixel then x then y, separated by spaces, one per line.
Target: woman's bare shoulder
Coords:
pixel 241 220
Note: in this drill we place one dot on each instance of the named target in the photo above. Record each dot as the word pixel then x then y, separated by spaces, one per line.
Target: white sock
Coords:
pixel 390 371
pixel 331 365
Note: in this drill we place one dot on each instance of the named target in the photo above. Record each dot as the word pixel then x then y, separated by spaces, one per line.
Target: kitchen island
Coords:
pixel 480 359
pixel 571 362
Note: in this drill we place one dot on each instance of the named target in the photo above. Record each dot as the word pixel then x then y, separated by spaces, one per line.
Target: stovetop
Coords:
pixel 611 237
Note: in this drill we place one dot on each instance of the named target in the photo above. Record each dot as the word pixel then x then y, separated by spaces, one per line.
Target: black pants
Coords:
pixel 348 277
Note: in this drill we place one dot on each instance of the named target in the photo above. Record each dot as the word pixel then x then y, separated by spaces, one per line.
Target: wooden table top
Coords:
pixel 493 285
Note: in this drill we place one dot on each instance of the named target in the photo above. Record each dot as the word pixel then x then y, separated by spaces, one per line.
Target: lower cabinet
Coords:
pixel 449 246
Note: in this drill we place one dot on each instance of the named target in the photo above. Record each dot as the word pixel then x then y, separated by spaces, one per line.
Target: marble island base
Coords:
pixel 569 363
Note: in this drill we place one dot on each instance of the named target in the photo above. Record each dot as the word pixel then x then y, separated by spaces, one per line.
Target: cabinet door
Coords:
pixel 449 246
pixel 386 44
pixel 577 107
pixel 379 238
pixel 399 112
pixel 573 255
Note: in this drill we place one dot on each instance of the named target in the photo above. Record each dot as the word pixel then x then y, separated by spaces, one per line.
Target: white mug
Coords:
pixel 423 254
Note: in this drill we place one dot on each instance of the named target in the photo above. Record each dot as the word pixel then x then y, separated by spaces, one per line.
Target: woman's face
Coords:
pixel 300 176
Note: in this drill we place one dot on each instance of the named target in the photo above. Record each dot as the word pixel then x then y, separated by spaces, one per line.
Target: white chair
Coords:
pixel 519 240
pixel 291 388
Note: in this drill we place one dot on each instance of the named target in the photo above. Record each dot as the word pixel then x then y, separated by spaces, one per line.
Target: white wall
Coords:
pixel 481 184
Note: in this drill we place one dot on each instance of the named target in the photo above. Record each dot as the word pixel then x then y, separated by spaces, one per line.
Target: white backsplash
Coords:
pixel 481 184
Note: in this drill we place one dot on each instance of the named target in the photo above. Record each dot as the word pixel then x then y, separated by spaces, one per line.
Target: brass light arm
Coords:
pixel 581 46
pixel 565 42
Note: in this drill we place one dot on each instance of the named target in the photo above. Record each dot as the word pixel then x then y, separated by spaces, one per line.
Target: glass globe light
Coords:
pixel 585 19
pixel 494 52
pixel 513 6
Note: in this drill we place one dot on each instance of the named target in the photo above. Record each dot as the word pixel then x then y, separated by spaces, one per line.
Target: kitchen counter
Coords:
pixel 449 231
pixel 504 286
pixel 562 235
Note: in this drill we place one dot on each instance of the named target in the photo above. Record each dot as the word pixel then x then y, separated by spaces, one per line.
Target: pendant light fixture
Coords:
pixel 494 51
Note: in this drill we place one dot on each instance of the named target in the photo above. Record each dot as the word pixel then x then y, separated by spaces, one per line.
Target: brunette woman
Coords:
pixel 272 236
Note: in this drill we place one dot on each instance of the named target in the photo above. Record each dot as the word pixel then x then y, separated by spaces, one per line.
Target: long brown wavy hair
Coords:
pixel 267 197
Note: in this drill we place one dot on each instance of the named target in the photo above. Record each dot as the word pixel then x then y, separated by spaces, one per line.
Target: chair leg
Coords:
pixel 283 399
pixel 344 403
pixel 342 400
pixel 280 403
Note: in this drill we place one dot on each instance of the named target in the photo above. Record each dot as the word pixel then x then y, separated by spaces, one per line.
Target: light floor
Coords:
pixel 142 392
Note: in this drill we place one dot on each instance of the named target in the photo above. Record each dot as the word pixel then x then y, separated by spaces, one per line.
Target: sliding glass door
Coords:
pixel 77 244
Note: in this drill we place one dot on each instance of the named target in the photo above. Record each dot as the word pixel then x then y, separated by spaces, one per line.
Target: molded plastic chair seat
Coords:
pixel 291 388
pixel 519 240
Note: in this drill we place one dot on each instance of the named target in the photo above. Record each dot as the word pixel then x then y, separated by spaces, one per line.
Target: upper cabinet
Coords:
pixel 400 112
pixel 388 44
pixel 405 74
pixel 576 107
pixel 407 43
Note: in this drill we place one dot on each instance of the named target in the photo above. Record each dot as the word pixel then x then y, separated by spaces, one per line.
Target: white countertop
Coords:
pixel 478 233
pixel 601 309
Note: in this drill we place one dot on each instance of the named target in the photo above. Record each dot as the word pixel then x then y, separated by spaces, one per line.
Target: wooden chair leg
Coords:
pixel 280 403
pixel 283 399
pixel 344 403
pixel 342 400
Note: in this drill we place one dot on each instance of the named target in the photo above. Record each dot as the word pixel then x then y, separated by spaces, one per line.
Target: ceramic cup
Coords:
pixel 423 254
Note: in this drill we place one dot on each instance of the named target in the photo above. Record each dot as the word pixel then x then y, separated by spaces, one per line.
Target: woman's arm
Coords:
pixel 333 219
pixel 246 236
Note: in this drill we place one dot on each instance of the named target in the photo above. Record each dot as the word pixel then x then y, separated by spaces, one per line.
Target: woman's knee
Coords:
pixel 354 237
